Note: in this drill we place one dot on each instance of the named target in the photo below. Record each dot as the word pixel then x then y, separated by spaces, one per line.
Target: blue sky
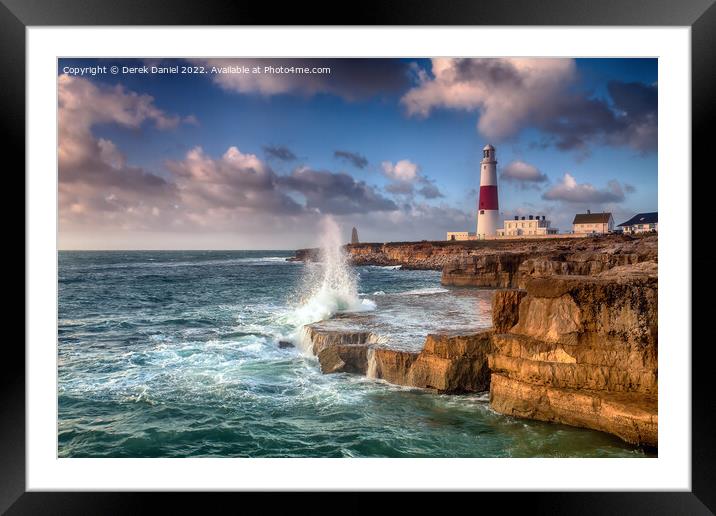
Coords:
pixel 146 159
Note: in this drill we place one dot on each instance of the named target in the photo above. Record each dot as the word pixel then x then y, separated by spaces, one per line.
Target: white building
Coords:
pixel 592 223
pixel 641 223
pixel 527 226
pixel 460 235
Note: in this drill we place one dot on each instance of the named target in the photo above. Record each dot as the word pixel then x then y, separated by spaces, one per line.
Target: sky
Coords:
pixel 253 153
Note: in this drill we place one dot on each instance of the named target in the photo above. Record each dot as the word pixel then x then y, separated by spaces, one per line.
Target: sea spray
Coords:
pixel 331 286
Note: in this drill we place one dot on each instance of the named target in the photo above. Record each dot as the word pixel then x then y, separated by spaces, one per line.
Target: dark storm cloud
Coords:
pixel 636 99
pixel 355 159
pixel 100 174
pixel 630 121
pixel 351 79
pixel 638 104
pixel 574 121
pixel 514 94
pixel 361 78
pixel 280 152
pixel 335 193
pixel 495 72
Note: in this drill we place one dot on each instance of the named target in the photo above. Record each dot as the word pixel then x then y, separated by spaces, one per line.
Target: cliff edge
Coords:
pixel 580 351
pixel 503 263
pixel 574 335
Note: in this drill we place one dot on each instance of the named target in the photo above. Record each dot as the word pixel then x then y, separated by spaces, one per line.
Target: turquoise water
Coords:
pixel 175 354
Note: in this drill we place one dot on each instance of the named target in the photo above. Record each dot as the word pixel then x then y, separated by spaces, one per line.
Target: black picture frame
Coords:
pixel 699 15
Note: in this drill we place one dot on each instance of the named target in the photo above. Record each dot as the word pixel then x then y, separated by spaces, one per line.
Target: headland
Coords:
pixel 573 335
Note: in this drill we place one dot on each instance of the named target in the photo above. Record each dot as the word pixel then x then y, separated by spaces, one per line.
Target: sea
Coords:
pixel 176 354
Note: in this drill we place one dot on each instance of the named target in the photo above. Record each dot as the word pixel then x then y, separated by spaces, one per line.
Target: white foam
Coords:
pixel 331 286
pixel 424 291
pixel 337 289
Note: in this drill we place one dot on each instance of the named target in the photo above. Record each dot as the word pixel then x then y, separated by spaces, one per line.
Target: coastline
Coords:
pixel 573 339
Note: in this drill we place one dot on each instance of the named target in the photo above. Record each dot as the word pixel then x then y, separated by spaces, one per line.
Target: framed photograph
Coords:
pixel 418 253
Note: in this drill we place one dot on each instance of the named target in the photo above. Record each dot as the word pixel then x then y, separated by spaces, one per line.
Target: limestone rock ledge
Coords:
pixel 577 350
pixel 502 263
pixel 629 416
pixel 581 351
pixel 514 267
pixel 448 363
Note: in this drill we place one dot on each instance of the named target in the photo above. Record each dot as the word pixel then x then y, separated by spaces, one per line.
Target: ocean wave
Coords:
pixel 152 263
pixel 424 291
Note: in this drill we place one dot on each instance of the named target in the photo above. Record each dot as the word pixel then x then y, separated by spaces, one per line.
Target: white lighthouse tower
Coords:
pixel 487 206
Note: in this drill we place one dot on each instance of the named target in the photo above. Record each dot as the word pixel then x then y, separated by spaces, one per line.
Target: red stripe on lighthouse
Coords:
pixel 488 197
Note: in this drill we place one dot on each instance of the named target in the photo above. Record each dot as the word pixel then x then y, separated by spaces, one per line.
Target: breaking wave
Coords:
pixel 331 285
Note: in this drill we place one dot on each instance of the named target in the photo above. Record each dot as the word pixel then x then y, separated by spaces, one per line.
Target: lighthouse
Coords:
pixel 487 207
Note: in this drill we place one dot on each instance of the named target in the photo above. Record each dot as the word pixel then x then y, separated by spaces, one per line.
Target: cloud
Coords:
pixel 82 105
pixel 404 170
pixel 355 159
pixel 400 188
pixel 507 92
pixel 523 174
pixel 637 104
pixel 95 181
pixel 236 181
pixel 568 190
pixel 430 191
pixel 279 152
pixel 336 193
pixel 98 188
pixel 512 94
pixel 350 79
pixel 405 176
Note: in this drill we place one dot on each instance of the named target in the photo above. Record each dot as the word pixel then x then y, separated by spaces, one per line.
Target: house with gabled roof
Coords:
pixel 642 223
pixel 593 223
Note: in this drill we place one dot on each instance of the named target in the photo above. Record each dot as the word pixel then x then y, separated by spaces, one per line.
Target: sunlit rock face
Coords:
pixel 513 266
pixel 580 350
pixel 405 341
pixel 570 337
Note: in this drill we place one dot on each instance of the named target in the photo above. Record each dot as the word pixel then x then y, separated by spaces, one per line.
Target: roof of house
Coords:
pixel 642 218
pixel 591 218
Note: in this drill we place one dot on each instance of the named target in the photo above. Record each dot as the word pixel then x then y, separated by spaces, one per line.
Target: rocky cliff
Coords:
pixel 504 263
pixel 448 362
pixel 575 343
pixel 581 351
pixel 581 257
